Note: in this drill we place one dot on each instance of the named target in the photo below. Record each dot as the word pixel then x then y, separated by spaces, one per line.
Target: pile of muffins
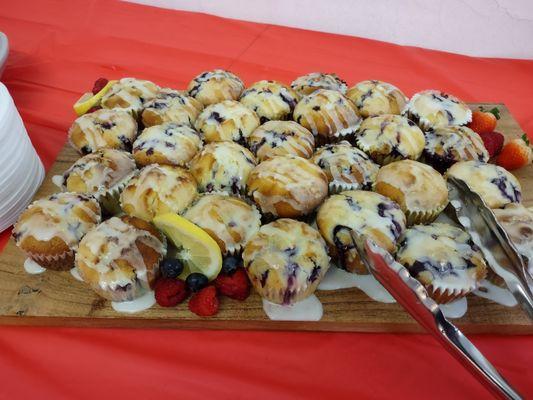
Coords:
pixel 278 175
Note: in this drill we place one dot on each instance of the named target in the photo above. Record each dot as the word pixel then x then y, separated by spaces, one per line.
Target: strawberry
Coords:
pixel 484 121
pixel 515 154
pixel 205 302
pixel 99 85
pixel 235 286
pixel 170 292
pixel 493 142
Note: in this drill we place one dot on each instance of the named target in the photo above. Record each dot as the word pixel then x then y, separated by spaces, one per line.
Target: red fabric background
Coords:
pixel 59 48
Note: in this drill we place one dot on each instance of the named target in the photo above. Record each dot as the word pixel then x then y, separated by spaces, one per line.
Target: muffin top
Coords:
pixel 98 172
pixel 278 138
pixel 270 100
pixel 212 87
pixel 494 184
pixel 388 136
pixel 103 128
pixel 432 108
pixel 307 84
pixel 129 94
pixel 346 167
pixel 517 221
pixel 230 221
pixel 376 97
pixel 327 113
pixel 226 121
pixel 284 258
pixel 158 189
pixel 441 255
pixel 287 186
pixel 171 106
pixel 65 216
pixel 167 144
pixel 222 166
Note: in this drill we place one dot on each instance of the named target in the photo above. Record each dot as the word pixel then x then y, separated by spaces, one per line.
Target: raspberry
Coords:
pixel 170 292
pixel 235 286
pixel 205 302
pixel 99 85
pixel 493 142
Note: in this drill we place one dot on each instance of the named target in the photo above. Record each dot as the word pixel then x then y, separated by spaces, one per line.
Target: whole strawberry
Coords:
pixel 235 286
pixel 515 154
pixel 170 292
pixel 493 142
pixel 204 303
pixel 99 84
pixel 484 121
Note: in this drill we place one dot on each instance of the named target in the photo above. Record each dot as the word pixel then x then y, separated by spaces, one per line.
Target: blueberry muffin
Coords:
pixel 285 261
pixel 158 189
pixel 270 100
pixel 129 94
pixel 432 109
pixel 494 184
pixel 279 138
pixel 171 106
pixel 287 186
pixel 307 84
pixel 50 229
pixel 328 114
pixel 444 259
pixel 376 98
pixel 113 129
pixel 447 145
pixel 387 138
pixel 166 144
pixel 346 167
pixel 222 166
pixel 362 213
pixel 420 190
pixel 119 259
pixel 230 221
pixel 212 87
pixel 226 121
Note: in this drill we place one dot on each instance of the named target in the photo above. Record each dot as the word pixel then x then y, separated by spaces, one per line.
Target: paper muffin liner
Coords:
pixel 132 291
pixel 55 262
pixel 337 187
pixel 110 199
pixel 423 217
pixel 278 295
pixel 445 296
pixel 374 153
pixel 495 279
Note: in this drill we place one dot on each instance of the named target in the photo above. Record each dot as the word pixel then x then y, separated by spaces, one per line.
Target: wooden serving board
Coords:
pixel 57 299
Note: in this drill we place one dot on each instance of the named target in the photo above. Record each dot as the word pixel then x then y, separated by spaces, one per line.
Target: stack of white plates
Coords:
pixel 21 170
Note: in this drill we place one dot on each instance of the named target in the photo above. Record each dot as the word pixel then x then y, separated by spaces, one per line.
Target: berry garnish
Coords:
pixel 170 292
pixel 171 267
pixel 515 154
pixel 196 281
pixel 235 286
pixel 230 264
pixel 493 142
pixel 484 121
pixel 99 85
pixel 93 109
pixel 205 302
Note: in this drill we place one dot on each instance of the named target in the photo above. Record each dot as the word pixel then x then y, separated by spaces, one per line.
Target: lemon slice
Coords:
pixel 198 251
pixel 88 100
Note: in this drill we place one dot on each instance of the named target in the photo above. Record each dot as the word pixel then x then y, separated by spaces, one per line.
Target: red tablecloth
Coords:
pixel 59 48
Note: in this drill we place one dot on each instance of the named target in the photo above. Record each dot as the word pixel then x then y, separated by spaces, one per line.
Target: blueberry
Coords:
pixel 171 268
pixel 230 265
pixel 196 281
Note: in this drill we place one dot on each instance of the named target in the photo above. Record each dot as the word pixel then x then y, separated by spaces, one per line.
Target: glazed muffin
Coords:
pixel 130 94
pixel 366 214
pixel 285 261
pixel 376 98
pixel 387 138
pixel 226 122
pixel 158 189
pixel 432 109
pixel 113 129
pixel 447 145
pixel 119 258
pixel 270 100
pixel 444 259
pixel 171 106
pixel 346 167
pixel 280 138
pixel 230 221
pixel 494 184
pixel 49 230
pixel 307 84
pixel 420 190
pixel 212 87
pixel 328 114
pixel 287 186
pixel 166 144
pixel 222 166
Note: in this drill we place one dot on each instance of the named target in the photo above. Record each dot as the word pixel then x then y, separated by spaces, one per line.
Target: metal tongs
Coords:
pixel 413 297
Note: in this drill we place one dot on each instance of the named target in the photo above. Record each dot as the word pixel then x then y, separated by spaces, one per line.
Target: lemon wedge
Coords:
pixel 88 100
pixel 198 251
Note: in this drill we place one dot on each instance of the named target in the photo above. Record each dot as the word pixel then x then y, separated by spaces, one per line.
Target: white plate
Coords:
pixel 4 51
